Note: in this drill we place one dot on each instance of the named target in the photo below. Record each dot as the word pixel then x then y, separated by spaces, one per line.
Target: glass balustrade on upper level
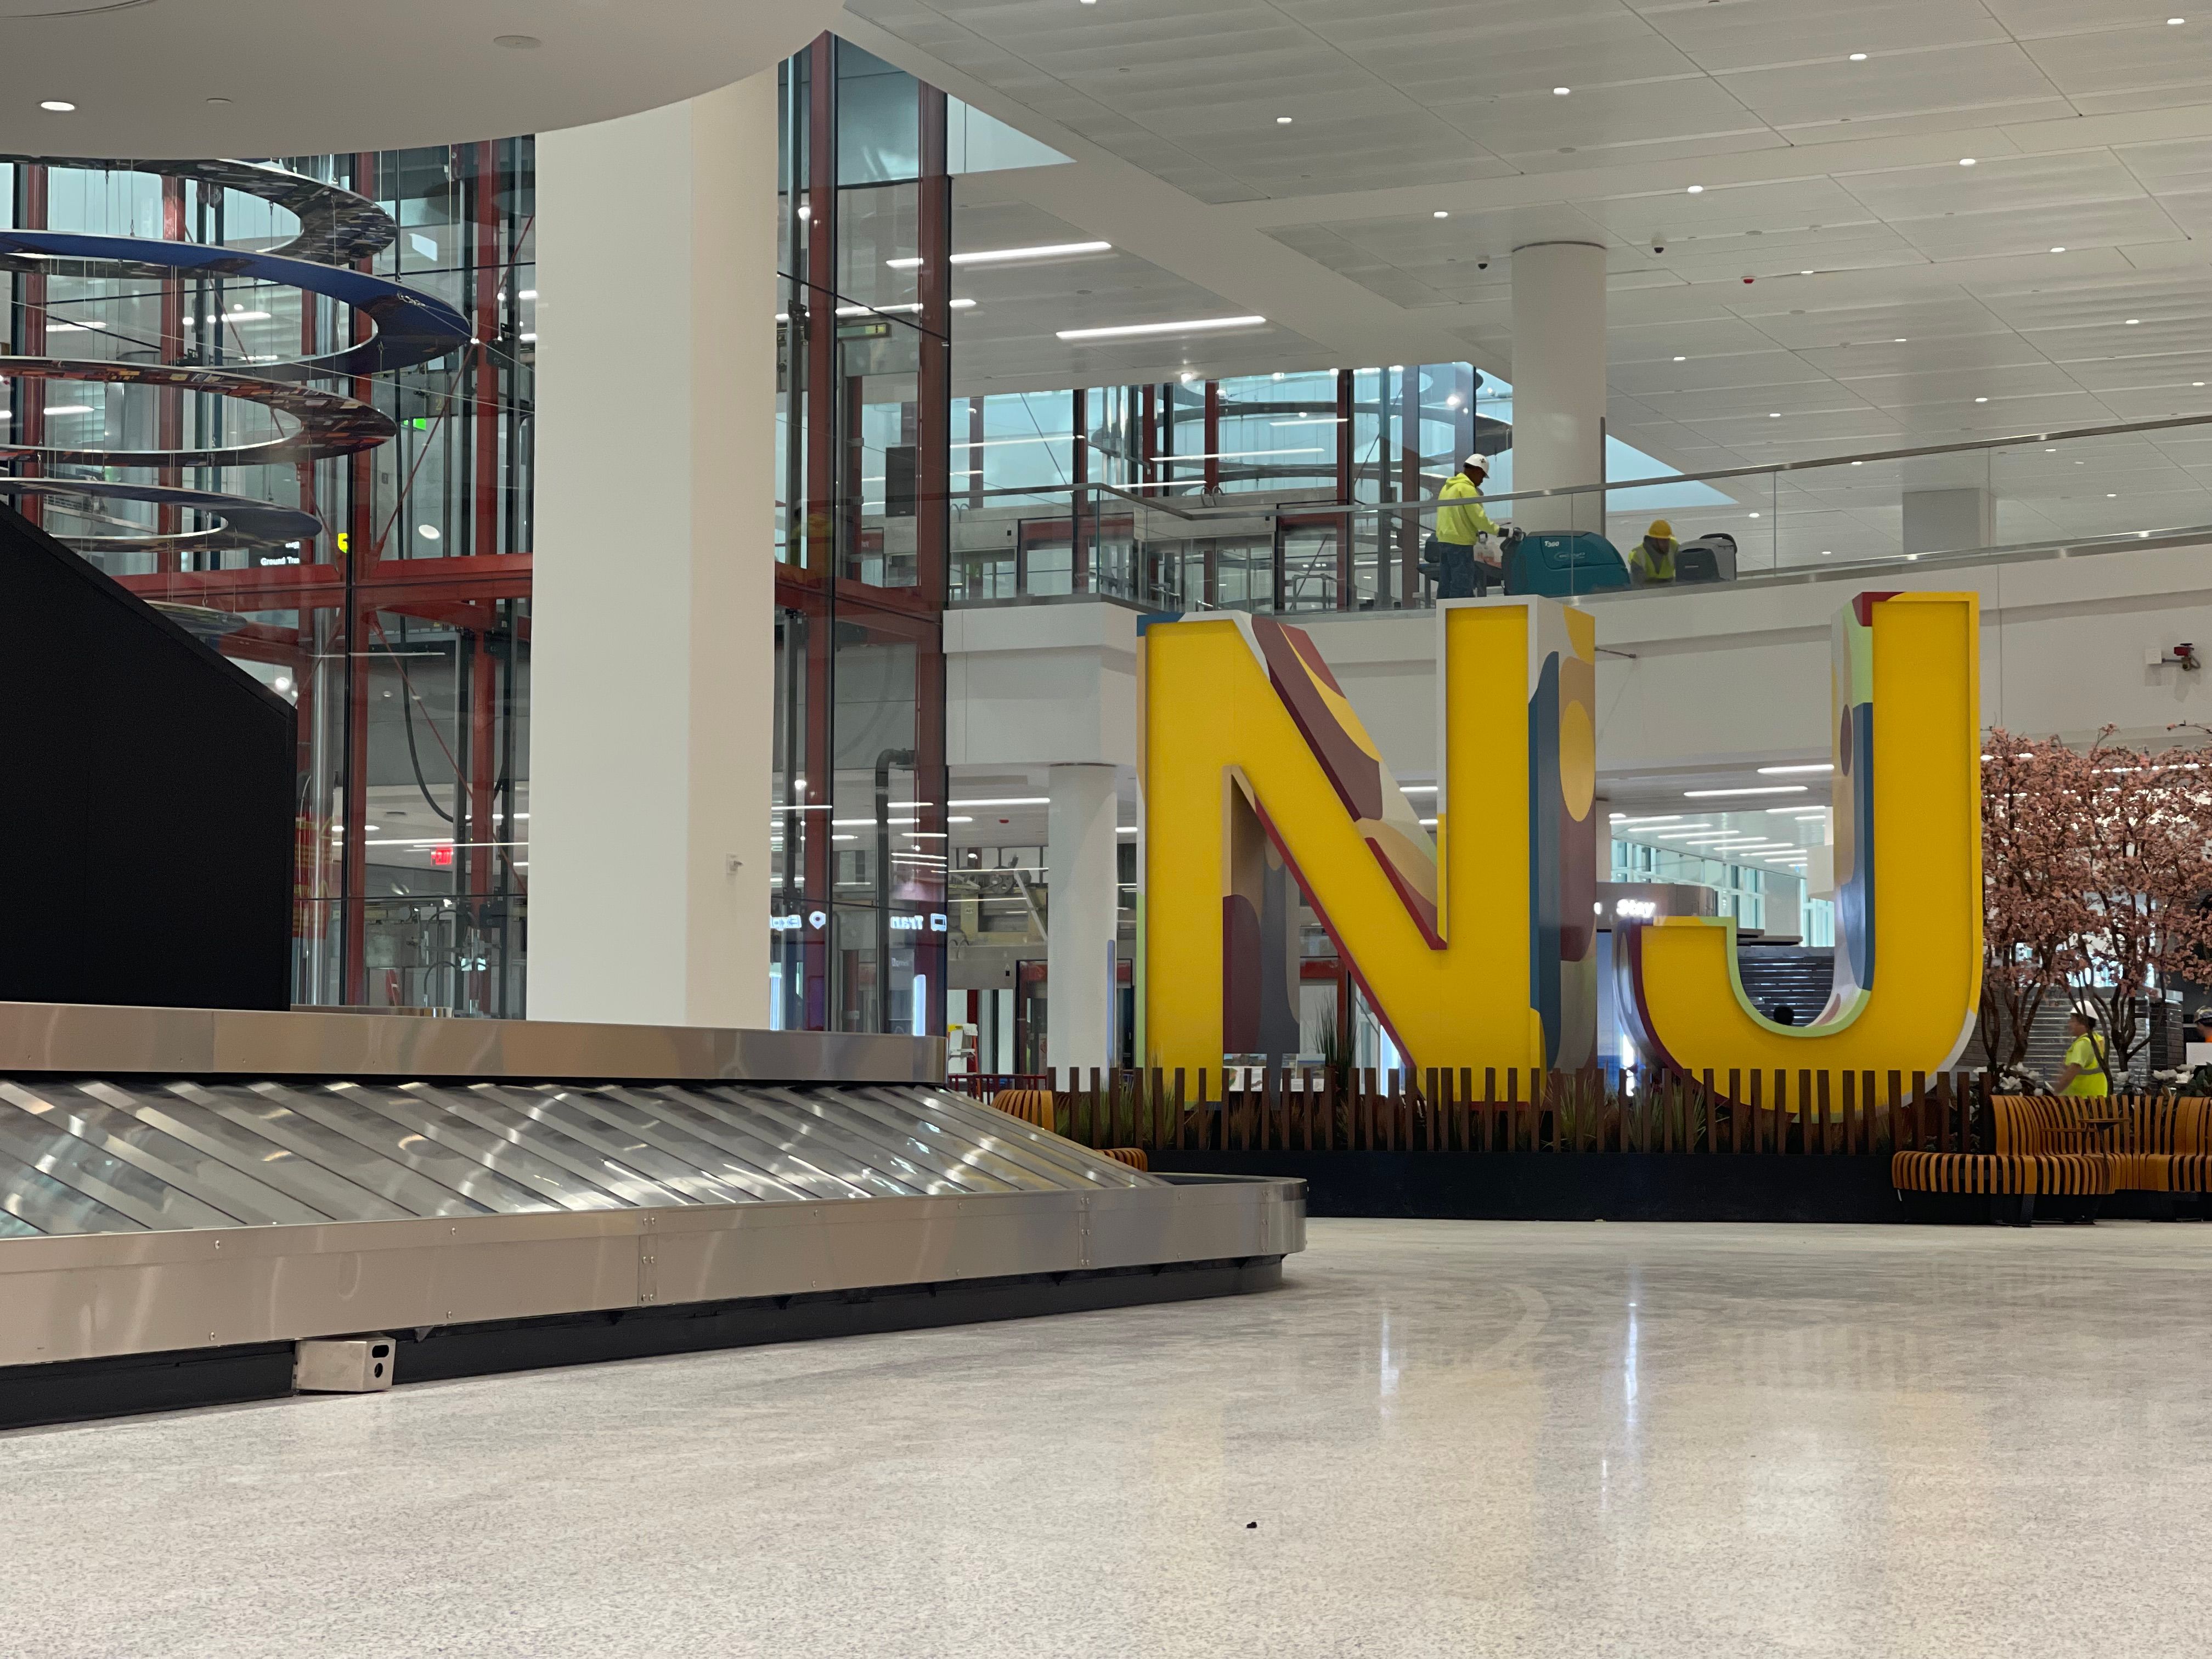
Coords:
pixel 1174 546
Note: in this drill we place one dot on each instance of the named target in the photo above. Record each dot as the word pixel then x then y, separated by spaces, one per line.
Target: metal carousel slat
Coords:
pixel 175 1162
pixel 274 1119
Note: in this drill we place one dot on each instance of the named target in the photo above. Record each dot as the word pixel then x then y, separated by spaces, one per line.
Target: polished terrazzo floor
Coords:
pixel 1456 1438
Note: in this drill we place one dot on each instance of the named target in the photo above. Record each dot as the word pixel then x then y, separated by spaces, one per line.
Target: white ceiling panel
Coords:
pixel 1623 120
pixel 1722 38
pixel 1453 55
pixel 1998 184
pixel 1975 81
pixel 1915 319
pixel 1809 163
pixel 1699 405
pixel 2029 18
pixel 2036 231
pixel 2129 69
pixel 1664 378
pixel 1961 386
pixel 1721 334
pixel 1960 354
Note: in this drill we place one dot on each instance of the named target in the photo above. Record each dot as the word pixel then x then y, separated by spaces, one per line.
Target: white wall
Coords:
pixel 1041 684
pixel 653 616
pixel 1686 680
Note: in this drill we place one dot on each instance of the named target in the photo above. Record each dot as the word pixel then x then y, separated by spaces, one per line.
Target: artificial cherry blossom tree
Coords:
pixel 2144 823
pixel 2035 854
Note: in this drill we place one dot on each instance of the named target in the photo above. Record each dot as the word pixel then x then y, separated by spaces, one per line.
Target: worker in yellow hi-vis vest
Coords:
pixel 1463 532
pixel 2086 1072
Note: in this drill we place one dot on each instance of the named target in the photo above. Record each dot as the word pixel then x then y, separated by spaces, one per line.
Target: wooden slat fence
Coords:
pixel 1599 1109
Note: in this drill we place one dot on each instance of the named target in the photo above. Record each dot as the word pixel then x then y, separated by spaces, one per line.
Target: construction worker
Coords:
pixel 1463 526
pixel 1653 560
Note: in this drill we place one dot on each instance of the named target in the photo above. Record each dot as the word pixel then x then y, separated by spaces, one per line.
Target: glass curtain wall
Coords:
pixel 1050 489
pixel 393 608
pixel 859 925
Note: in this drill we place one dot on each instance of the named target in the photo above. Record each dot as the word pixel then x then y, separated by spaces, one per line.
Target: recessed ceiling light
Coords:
pixel 1561 91
pixel 1784 771
pixel 70 409
pixel 429 533
pixel 1754 515
pixel 1125 330
pixel 2112 495
pixel 1827 552
pixel 1697 190
pixel 1767 789
pixel 1967 161
pixel 1006 800
pixel 2175 23
pixel 1283 120
pixel 2132 321
pixel 57 106
pixel 2196 383
pixel 1858 58
pixel 1440 213
pixel 1773 413
pixel 1981 400
pixel 1682 360
pixel 1804 273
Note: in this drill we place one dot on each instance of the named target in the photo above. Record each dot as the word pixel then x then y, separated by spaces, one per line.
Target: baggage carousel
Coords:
pixel 199 1205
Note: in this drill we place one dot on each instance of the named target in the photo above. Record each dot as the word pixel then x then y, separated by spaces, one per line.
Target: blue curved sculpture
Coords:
pixel 328 424
pixel 411 327
pixel 241 521
pixel 336 226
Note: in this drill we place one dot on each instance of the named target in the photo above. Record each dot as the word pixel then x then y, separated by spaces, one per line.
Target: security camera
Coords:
pixel 1658 247
pixel 1482 265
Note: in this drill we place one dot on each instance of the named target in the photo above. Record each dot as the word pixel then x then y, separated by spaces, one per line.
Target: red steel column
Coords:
pixel 932 537
pixel 825 445
pixel 1080 451
pixel 1409 482
pixel 169 402
pixel 357 561
pixel 486 279
pixel 30 396
pixel 487 285
pixel 1213 434
pixel 1344 596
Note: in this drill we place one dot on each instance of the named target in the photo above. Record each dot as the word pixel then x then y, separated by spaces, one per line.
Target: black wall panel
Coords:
pixel 147 799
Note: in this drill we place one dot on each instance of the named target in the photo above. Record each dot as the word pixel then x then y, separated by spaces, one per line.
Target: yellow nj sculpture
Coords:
pixel 1476 947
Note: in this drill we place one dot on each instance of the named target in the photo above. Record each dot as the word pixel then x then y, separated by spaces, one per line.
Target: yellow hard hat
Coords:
pixel 1662 529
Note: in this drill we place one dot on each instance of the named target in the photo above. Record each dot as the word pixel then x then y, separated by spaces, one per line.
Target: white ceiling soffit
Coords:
pixel 1891 287
pixel 163 78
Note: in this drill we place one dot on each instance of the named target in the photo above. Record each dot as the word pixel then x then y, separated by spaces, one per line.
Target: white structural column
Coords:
pixel 1558 382
pixel 653 662
pixel 1083 885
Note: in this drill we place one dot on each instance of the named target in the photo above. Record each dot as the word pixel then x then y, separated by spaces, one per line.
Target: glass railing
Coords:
pixel 2030 495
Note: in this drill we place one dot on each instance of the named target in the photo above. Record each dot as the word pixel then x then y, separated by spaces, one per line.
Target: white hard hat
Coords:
pixel 1480 462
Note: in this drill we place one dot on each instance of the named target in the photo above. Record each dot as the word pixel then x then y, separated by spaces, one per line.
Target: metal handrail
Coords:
pixel 1858 457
